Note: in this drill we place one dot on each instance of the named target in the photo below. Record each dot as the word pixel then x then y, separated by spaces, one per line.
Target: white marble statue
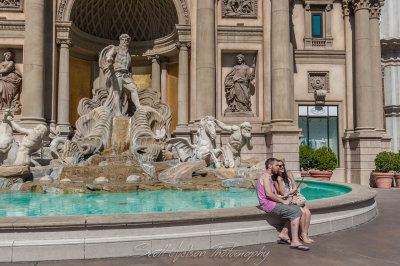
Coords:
pixel 240 137
pixel 30 143
pixel 204 149
pixel 115 61
pixel 6 136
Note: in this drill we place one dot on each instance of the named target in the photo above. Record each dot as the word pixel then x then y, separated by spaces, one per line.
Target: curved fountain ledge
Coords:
pixel 119 235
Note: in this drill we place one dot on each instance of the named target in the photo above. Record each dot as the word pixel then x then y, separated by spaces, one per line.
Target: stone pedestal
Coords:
pixel 283 141
pixel 360 149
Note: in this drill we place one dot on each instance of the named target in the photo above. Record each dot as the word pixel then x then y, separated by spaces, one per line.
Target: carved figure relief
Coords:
pixel 6 136
pixel 10 84
pixel 318 83
pixel 239 8
pixel 11 5
pixel 238 87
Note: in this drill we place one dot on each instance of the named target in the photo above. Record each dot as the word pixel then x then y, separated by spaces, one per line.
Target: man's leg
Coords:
pixel 131 87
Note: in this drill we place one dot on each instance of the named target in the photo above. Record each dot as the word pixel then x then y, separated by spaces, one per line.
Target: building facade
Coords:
pixel 390 40
pixel 303 71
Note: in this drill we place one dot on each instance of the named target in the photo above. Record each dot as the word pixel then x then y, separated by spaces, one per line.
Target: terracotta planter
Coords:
pixel 305 173
pixel 397 177
pixel 324 175
pixel 383 180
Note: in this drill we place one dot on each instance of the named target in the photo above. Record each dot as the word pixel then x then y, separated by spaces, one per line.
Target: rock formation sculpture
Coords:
pixel 10 83
pixel 204 149
pixel 115 61
pixel 240 137
pixel 6 136
pixel 29 144
pixel 238 87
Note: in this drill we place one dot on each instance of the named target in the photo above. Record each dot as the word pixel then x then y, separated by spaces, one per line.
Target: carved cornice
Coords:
pixel 360 4
pixel 12 6
pixel 12 25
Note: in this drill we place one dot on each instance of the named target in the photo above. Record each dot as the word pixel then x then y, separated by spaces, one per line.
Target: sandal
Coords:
pixel 300 247
pixel 283 241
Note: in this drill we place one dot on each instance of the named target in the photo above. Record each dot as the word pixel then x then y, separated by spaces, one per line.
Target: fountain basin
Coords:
pixel 117 235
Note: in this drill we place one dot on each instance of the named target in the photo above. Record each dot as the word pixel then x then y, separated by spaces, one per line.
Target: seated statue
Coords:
pixel 6 136
pixel 240 136
pixel 10 81
pixel 30 143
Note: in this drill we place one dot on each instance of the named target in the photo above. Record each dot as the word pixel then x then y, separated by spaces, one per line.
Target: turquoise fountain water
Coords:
pixel 39 204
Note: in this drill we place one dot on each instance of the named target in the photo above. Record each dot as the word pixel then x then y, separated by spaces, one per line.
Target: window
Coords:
pixel 319 125
pixel 317 25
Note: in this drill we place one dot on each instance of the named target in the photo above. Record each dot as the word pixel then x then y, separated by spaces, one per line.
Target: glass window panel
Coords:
pixel 303 110
pixel 333 135
pixel 304 131
pixel 317 25
pixel 318 132
pixel 317 110
pixel 333 111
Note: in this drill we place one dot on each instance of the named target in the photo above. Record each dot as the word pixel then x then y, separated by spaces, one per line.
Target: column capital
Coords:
pixel 64 42
pixel 154 58
pixel 180 45
pixel 328 8
pixel 376 8
pixel 346 7
pixel 361 4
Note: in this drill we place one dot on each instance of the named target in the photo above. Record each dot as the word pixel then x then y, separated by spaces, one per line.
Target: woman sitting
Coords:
pixel 285 186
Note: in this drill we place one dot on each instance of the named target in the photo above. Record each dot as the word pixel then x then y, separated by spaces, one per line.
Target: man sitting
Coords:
pixel 270 202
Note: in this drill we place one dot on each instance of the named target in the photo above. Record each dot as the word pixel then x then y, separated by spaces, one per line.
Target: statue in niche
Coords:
pixel 29 144
pixel 240 137
pixel 238 88
pixel 115 61
pixel 10 82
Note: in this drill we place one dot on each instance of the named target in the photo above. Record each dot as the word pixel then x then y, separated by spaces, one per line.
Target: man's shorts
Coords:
pixel 290 211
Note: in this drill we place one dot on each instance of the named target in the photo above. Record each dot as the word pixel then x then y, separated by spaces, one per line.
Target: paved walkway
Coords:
pixel 374 243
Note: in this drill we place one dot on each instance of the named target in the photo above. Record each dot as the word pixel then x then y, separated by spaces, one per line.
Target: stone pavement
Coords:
pixel 374 243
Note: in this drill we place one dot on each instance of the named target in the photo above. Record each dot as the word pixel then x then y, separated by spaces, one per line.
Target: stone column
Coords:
pixel 183 86
pixel 283 135
pixel 376 77
pixel 206 59
pixel 307 21
pixel 164 82
pixel 63 125
pixel 155 72
pixel 280 54
pixel 33 83
pixel 364 92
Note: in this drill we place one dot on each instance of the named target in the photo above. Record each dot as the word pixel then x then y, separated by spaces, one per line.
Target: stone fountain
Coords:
pixel 122 142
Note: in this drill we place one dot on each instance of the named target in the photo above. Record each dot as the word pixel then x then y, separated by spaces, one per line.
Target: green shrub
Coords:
pixel 385 161
pixel 396 163
pixel 324 159
pixel 305 154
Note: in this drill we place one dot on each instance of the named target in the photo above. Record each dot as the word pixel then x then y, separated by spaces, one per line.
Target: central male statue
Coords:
pixel 115 61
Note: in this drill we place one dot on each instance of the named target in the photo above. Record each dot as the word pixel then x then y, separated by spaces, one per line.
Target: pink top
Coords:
pixel 265 203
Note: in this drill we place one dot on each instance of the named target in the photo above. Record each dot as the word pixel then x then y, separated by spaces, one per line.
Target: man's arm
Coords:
pixel 18 127
pixel 266 182
pixel 223 126
pixel 110 55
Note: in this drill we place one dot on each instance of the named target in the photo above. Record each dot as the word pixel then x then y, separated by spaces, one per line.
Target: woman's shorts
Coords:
pixel 290 212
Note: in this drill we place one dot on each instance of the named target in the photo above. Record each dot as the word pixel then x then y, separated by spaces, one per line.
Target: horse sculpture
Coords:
pixel 204 149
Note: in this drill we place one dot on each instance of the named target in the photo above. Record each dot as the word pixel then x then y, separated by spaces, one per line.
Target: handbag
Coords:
pixel 301 200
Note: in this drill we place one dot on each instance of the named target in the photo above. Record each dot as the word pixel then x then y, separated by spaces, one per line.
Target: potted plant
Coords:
pixel 324 159
pixel 384 164
pixel 305 154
